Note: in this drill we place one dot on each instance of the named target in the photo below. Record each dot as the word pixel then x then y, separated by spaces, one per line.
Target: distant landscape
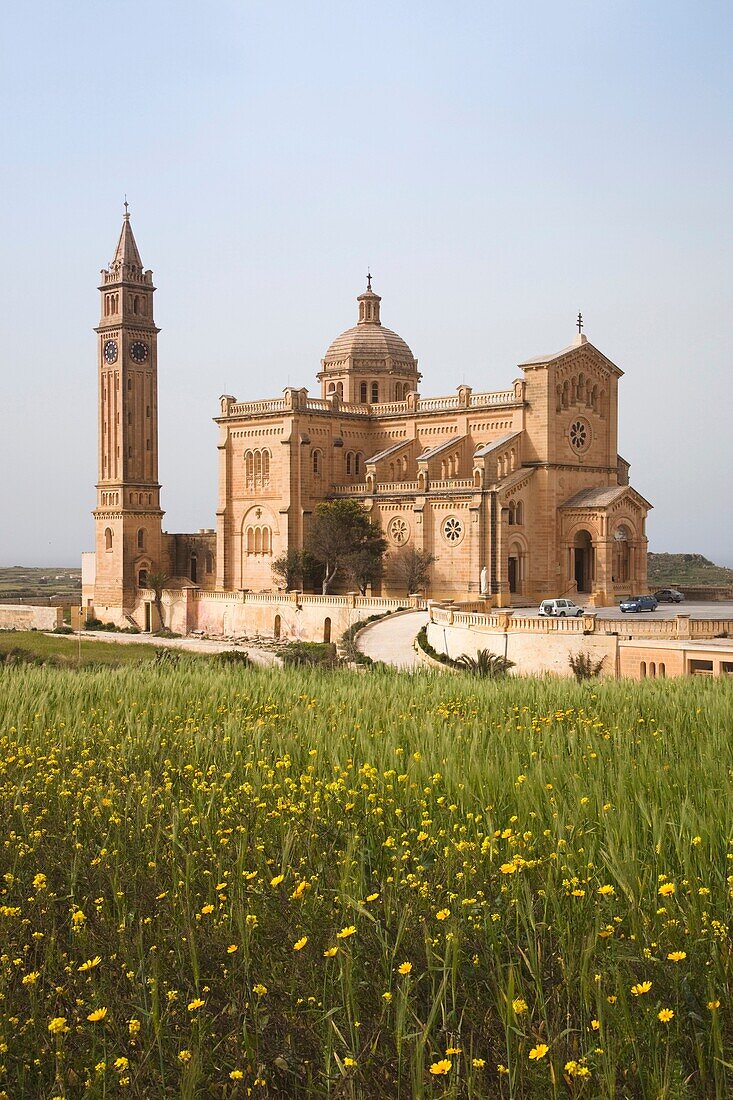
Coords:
pixel 692 569
pixel 25 582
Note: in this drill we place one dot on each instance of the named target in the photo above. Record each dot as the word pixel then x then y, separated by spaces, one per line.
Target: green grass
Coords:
pixel 154 818
pixel 65 649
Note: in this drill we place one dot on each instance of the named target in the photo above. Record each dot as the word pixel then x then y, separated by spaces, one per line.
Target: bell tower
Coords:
pixel 128 514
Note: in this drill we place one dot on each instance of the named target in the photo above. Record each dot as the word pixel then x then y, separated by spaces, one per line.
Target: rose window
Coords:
pixel 579 435
pixel 452 530
pixel 398 530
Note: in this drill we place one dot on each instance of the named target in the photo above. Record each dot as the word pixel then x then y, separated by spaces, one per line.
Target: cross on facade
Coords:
pixel 579 322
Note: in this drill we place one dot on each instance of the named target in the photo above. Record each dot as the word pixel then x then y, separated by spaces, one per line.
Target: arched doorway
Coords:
pixel 327 630
pixel 583 561
pixel 278 627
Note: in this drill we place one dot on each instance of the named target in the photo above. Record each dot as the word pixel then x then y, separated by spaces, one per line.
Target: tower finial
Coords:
pixel 127 206
pixel 579 322
pixel 369 280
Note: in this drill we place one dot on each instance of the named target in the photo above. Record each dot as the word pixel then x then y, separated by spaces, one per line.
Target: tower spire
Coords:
pixel 127 257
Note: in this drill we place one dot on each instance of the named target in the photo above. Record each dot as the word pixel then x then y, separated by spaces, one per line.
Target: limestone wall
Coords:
pixel 25 617
pixel 533 654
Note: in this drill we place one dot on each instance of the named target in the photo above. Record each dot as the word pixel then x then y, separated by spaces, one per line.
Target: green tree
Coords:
pixel 412 568
pixel 343 539
pixel 157 581
pixel 294 569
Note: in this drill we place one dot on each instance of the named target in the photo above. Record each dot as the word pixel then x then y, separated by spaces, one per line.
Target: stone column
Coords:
pixel 503 598
pixel 603 592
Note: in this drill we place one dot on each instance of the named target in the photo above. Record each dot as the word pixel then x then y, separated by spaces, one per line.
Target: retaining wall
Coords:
pixel 28 617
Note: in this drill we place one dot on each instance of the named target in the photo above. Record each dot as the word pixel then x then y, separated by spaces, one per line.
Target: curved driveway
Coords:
pixel 391 639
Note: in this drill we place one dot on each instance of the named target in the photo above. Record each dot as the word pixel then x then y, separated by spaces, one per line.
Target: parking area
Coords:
pixel 711 609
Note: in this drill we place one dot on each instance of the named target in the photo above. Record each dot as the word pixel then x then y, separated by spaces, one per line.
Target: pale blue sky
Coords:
pixel 499 166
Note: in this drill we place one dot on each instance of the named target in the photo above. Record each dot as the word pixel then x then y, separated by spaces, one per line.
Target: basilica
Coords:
pixel 517 494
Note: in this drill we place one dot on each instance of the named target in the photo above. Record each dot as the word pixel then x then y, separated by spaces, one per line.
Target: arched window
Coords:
pixel 142 578
pixel 662 669
pixel 265 467
pixel 652 668
pixel 358 462
pixel 317 463
pixel 519 513
pixel 266 540
pixel 375 393
pixel 340 389
pixel 250 540
pixel 249 467
pixel 194 568
pixel 108 538
pixel 349 461
pixel 327 629
pixel 332 387
pixel 141 539
pixel 258 540
pixel 363 393
pixel 209 562
pixel 510 509
pixel 642 670
pixel 258 465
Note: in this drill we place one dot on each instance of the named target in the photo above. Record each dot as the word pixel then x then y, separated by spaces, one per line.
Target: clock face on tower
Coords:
pixel 110 351
pixel 139 351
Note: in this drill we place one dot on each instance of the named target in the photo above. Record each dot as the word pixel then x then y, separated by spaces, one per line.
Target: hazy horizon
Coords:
pixel 497 168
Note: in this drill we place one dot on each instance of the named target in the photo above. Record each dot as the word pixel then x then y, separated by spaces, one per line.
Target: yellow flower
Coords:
pixel 330 952
pixel 236 1075
pixel 677 956
pixel 299 890
pixel 372 897
pixel 232 948
pixel 31 978
pixel 196 1003
pixel 206 909
pixel 519 1005
pixel 77 918
pixel 259 989
pixel 508 868
pixel 348 1062
pixel 300 944
pixel 90 964
pixel 346 932
pixel 538 1052
pixel 276 880
pixel 666 889
pixel 454 1050
pixel 665 1015
pixel 442 914
pixel 133 1026
pixel 387 996
pixel 97 1015
pixel 58 1025
pixel 478 1063
pixel 712 1005
pixel 439 1069
pixel 121 1064
pixel 595 1024
pixel 606 891
pixel 184 1056
pixel 404 968
pixel 642 987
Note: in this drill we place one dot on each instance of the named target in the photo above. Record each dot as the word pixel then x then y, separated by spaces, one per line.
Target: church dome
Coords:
pixel 369 341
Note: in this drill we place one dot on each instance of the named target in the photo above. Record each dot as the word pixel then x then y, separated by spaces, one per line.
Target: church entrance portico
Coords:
pixel 583 561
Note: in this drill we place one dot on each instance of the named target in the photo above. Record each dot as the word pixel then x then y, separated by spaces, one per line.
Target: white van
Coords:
pixel 560 608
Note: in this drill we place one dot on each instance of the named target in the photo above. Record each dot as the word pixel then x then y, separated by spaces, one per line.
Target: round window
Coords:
pixel 398 531
pixel 452 530
pixel 579 435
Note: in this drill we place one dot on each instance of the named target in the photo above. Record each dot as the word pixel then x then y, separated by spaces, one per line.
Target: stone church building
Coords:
pixel 519 494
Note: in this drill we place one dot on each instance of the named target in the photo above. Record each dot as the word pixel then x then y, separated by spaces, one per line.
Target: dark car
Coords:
pixel 668 595
pixel 639 603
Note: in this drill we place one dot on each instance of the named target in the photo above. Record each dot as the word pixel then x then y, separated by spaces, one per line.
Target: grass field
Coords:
pixel 66 649
pixel 223 882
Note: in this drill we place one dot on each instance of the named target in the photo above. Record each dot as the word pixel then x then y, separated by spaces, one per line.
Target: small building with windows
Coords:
pixel 517 494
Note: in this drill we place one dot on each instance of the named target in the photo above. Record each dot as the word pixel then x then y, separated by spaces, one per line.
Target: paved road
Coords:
pixel 189 644
pixel 711 609
pixel 390 640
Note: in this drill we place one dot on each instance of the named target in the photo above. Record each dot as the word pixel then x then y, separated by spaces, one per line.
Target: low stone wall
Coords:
pixel 532 653
pixel 28 617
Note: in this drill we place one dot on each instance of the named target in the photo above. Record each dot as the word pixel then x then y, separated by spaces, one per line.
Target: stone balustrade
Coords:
pixel 682 626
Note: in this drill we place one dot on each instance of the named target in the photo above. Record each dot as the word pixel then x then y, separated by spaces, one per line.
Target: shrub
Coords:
pixel 62 630
pixel 484 663
pixel 232 657
pixel 320 654
pixel 584 667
